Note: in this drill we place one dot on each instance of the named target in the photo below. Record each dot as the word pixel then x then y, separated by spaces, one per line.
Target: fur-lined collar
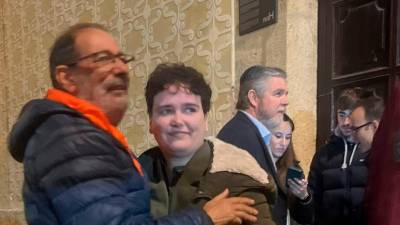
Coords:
pixel 230 158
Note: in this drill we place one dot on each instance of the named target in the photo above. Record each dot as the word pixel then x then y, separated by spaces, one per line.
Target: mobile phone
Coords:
pixel 294 172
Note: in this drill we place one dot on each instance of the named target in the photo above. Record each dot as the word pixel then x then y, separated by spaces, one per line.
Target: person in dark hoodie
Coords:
pixel 78 167
pixel 338 172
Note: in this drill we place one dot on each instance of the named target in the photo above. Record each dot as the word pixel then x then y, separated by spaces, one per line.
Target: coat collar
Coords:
pixel 95 115
pixel 198 165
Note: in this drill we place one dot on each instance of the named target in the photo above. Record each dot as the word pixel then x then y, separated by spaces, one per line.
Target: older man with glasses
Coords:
pixel 77 164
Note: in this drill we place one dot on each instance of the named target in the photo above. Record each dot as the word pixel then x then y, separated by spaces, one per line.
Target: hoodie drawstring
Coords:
pixel 344 165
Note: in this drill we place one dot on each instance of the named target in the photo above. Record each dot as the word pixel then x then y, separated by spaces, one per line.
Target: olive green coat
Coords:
pixel 214 167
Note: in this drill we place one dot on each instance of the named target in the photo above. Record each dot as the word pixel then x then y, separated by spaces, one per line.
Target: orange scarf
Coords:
pixel 94 115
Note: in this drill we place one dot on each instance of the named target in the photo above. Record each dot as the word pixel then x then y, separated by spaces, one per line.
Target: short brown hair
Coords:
pixel 373 107
pixel 166 74
pixel 63 50
pixel 348 98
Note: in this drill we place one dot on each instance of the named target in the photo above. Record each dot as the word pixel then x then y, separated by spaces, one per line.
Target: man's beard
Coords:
pixel 350 138
pixel 273 122
pixel 346 135
pixel 270 123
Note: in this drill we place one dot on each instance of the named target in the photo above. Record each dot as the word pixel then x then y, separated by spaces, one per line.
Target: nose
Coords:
pixel 346 121
pixel 285 142
pixel 176 120
pixel 120 66
pixel 120 70
pixel 285 100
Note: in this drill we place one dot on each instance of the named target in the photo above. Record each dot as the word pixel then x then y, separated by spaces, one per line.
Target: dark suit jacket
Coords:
pixel 241 132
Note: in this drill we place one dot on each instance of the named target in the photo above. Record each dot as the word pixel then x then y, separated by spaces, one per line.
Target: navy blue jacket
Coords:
pixel 76 173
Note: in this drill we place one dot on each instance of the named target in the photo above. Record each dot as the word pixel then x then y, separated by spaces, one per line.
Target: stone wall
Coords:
pixel 301 51
pixel 290 44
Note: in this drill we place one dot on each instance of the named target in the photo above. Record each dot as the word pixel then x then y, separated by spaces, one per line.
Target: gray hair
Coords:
pixel 254 79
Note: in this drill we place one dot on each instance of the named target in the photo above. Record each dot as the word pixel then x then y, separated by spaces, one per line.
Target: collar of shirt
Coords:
pixel 265 133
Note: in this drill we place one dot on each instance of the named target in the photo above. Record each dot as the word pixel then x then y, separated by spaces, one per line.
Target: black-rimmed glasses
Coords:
pixel 105 57
pixel 355 129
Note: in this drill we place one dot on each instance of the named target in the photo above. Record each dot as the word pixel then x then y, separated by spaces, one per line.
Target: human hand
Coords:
pixel 298 188
pixel 223 210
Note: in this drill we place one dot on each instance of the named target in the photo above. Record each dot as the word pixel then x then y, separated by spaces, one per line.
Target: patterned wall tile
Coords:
pixel 4 202
pixel 184 31
pixel 196 32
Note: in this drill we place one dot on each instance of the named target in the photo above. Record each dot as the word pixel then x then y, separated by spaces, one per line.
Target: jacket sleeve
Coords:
pixel 89 179
pixel 239 185
pixel 262 205
pixel 302 211
pixel 315 183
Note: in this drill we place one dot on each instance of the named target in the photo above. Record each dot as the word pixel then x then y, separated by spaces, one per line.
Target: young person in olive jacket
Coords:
pixel 186 169
pixel 78 167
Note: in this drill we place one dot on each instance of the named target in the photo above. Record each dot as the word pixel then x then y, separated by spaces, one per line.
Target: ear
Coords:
pixel 206 120
pixel 150 125
pixel 65 79
pixel 252 97
pixel 375 124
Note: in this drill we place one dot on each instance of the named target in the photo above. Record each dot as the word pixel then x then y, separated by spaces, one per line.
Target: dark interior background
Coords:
pixel 358 45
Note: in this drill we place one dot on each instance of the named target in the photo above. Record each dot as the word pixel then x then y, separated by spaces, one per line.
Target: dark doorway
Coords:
pixel 358 45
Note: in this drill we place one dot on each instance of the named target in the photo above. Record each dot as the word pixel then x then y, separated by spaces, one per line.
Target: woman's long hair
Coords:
pixel 287 159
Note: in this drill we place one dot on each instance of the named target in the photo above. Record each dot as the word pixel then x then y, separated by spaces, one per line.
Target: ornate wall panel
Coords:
pixel 3 116
pixel 196 32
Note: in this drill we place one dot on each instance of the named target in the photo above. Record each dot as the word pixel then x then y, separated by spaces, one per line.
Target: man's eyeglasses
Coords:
pixel 105 57
pixel 355 129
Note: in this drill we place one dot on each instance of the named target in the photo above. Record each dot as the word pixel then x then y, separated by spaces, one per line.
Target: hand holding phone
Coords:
pixel 296 183
pixel 294 172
